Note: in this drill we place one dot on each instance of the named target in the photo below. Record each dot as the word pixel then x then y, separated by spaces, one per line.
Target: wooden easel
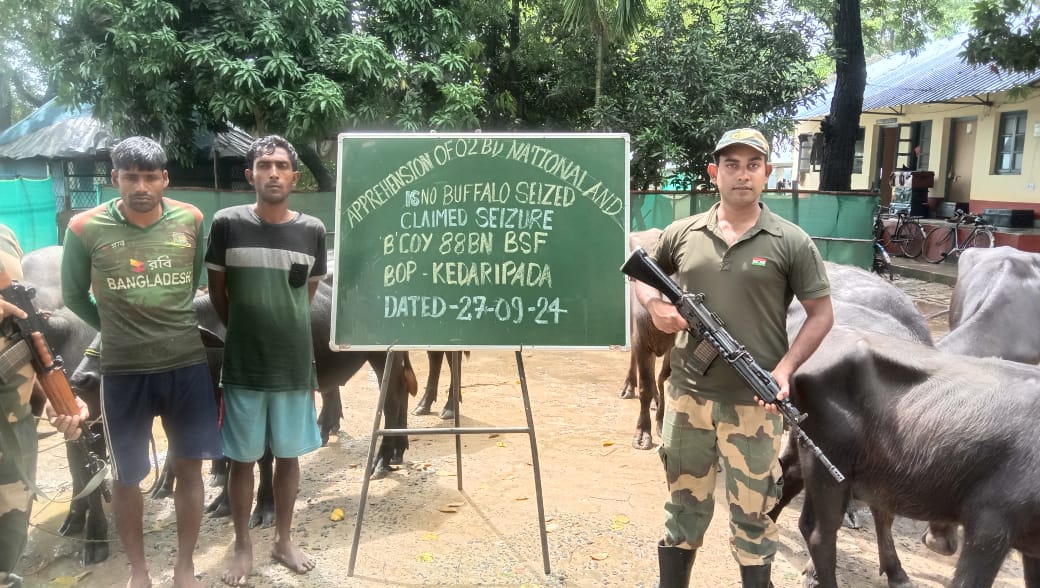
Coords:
pixel 456 391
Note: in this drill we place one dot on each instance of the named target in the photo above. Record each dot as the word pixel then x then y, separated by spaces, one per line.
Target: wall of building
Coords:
pixel 1013 190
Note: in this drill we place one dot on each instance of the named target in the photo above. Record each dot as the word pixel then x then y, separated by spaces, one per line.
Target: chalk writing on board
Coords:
pixel 481 240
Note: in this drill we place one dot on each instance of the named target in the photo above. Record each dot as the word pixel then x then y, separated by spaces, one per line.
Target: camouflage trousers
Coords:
pixel 15 496
pixel 697 433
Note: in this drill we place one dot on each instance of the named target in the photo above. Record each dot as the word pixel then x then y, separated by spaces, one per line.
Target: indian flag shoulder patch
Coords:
pixel 758 261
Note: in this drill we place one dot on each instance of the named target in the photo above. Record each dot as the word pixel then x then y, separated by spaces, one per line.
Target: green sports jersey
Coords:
pixel 143 281
pixel 267 270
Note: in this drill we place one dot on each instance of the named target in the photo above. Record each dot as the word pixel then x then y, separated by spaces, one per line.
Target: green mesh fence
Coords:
pixel 841 224
pixel 27 208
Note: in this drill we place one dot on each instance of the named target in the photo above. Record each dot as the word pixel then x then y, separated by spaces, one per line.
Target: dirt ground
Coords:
pixel 603 499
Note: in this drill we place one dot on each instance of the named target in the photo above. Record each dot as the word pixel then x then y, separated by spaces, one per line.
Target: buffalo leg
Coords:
pixel 662 377
pixel 331 413
pixel 448 412
pixel 76 519
pixel 95 550
pixel 887 556
pixel 628 390
pixel 164 485
pixel 1031 571
pixel 792 475
pixel 986 544
pixel 263 513
pixel 642 438
pixel 821 518
pixel 429 397
pixel 221 505
pixel 395 412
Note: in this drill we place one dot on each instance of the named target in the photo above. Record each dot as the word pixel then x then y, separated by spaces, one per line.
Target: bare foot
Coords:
pixel 241 566
pixel 189 581
pixel 139 581
pixel 292 557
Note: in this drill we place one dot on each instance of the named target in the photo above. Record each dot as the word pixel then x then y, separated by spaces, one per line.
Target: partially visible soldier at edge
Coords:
pixel 141 256
pixel 18 443
pixel 749 263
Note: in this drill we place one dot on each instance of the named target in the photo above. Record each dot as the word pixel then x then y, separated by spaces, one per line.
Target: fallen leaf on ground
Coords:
pixel 607 443
pixel 599 556
pixel 337 515
pixel 520 498
pixel 429 537
pixel 424 557
pixel 448 509
pixel 501 444
pixel 69 580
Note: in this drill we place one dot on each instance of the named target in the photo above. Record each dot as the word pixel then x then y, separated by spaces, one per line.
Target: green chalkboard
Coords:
pixel 460 241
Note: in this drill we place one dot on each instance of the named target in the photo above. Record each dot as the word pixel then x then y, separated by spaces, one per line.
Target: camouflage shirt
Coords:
pixel 20 381
pixel 143 281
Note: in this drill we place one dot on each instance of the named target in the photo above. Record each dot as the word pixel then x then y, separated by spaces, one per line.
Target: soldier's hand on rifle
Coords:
pixel 666 316
pixel 69 425
pixel 783 381
pixel 7 309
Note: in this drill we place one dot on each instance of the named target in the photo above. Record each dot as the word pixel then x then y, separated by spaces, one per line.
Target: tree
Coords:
pixel 26 32
pixel 1006 35
pixel 700 69
pixel 845 17
pixel 607 22
pixel 840 127
pixel 303 68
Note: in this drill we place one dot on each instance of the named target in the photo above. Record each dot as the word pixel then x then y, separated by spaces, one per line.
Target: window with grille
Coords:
pixel 1011 143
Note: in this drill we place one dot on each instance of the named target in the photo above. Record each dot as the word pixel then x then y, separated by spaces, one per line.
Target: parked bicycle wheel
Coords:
pixel 982 238
pixel 938 244
pixel 882 262
pixel 910 237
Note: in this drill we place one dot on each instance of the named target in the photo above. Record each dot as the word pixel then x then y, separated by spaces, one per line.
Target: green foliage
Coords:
pixel 702 68
pixel 302 68
pixel 1006 34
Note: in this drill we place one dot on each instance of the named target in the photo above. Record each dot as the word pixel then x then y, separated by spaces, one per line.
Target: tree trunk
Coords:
pixel 600 42
pixel 309 156
pixel 512 73
pixel 841 125
pixel 6 101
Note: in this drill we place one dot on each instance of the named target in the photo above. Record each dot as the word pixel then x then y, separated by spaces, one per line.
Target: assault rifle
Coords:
pixel 708 325
pixel 30 344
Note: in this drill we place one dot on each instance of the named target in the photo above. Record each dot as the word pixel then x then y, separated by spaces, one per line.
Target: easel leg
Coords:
pixel 534 462
pixel 376 435
pixel 455 394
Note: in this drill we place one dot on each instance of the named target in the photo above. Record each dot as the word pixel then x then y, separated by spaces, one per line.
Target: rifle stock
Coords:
pixel 50 373
pixel 709 326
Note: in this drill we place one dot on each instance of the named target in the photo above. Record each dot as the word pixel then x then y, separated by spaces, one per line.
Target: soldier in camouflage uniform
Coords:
pixel 749 264
pixel 17 429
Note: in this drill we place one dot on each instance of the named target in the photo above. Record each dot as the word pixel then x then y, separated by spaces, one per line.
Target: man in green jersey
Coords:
pixel 141 257
pixel 18 443
pixel 749 264
pixel 265 262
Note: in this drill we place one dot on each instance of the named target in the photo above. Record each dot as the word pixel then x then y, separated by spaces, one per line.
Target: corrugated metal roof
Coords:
pixel 936 74
pixel 54 131
pixel 58 132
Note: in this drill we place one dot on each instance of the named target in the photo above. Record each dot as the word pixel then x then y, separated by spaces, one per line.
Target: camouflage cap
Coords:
pixel 751 137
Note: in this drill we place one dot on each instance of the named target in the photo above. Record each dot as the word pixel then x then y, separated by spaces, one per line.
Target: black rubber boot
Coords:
pixel 755 576
pixel 675 564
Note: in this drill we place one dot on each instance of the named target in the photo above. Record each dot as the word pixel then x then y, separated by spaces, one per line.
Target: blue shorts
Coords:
pixel 254 420
pixel 182 397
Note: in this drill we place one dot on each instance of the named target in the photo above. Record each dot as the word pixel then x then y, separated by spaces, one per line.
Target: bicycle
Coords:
pixel 944 242
pixel 908 234
pixel 882 261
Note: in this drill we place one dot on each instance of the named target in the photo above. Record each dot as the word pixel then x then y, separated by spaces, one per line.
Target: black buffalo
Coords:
pixel 926 435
